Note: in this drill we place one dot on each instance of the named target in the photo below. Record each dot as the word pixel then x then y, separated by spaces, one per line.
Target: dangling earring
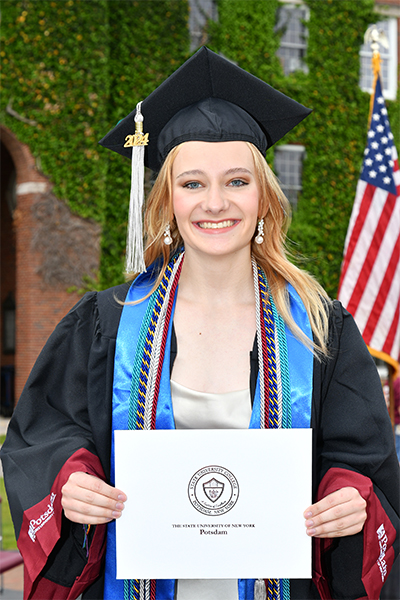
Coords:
pixel 260 233
pixel 167 236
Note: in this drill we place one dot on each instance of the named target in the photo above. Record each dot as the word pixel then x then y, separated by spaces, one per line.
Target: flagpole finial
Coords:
pixel 376 37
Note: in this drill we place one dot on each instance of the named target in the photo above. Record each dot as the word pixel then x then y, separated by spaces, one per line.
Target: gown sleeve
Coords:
pixel 61 425
pixel 355 447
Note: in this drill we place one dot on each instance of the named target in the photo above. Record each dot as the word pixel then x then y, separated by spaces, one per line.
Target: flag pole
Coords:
pixel 376 69
pixel 372 36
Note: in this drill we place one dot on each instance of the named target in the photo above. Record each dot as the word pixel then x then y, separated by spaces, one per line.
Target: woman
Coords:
pixel 200 356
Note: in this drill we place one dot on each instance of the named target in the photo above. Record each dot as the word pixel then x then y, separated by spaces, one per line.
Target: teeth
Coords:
pixel 221 225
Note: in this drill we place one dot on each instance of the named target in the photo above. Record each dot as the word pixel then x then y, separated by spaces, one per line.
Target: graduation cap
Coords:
pixel 207 99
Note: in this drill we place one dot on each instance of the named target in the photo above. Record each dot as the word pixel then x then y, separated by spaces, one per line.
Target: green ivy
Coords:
pixel 147 43
pixel 335 134
pixel 54 57
pixel 77 67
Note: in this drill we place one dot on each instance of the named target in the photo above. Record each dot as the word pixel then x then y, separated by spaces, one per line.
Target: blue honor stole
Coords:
pixel 129 343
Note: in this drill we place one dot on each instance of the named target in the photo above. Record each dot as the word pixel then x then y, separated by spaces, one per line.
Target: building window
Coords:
pixel 291 26
pixel 200 11
pixel 388 65
pixel 288 166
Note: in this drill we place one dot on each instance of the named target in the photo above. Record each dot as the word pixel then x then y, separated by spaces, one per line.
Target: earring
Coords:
pixel 260 233
pixel 167 235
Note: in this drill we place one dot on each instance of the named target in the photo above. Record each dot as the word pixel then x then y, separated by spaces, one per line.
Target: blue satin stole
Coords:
pixel 301 374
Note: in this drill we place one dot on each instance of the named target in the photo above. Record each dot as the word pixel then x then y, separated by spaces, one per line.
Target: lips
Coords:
pixel 216 225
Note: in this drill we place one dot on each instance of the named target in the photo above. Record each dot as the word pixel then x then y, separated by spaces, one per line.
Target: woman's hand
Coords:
pixel 341 513
pixel 89 500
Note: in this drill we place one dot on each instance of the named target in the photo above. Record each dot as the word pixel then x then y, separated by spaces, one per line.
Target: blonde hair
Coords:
pixel 271 255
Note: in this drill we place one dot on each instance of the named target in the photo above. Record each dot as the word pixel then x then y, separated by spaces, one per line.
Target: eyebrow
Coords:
pixel 228 172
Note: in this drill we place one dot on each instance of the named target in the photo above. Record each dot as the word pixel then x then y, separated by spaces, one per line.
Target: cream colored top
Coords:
pixel 199 410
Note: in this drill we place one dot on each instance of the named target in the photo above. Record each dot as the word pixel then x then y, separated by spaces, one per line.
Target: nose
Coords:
pixel 215 200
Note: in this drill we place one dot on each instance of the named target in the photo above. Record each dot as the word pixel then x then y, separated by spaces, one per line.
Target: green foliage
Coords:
pixel 146 46
pixel 335 134
pixel 244 33
pixel 54 58
pixel 75 68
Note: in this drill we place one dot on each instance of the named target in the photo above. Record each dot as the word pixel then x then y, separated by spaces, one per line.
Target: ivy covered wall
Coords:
pixel 334 134
pixel 76 67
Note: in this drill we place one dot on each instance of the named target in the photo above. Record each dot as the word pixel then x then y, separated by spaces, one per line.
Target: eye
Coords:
pixel 238 183
pixel 192 185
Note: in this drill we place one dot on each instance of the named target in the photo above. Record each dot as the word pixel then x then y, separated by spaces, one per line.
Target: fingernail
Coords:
pixel 116 514
pixel 311 532
pixel 122 497
pixel 308 514
pixel 119 506
pixel 309 523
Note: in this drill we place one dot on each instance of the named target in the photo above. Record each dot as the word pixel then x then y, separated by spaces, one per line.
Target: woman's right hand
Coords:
pixel 89 500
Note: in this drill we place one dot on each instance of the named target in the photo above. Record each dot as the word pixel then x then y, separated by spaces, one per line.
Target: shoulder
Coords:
pixel 344 335
pixel 108 308
pixel 96 312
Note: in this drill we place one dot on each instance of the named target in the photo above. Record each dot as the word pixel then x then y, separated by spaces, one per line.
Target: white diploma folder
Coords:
pixel 213 504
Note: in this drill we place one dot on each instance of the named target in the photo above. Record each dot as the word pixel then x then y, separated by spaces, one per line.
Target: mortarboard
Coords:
pixel 208 98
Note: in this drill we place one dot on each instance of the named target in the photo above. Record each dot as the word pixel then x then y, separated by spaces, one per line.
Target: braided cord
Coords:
pixel 281 348
pixel 136 371
pixel 268 321
pixel 261 346
pixel 140 398
pixel 275 405
pixel 279 409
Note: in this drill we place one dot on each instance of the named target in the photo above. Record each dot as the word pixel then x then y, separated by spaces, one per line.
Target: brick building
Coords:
pixel 44 251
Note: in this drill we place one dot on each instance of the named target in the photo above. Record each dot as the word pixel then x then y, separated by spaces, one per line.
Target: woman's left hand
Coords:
pixel 341 513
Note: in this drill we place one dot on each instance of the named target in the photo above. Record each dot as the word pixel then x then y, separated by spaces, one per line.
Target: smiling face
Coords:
pixel 215 194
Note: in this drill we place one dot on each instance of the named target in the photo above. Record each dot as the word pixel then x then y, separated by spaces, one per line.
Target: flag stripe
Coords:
pixel 370 275
pixel 372 253
pixel 366 193
pixel 378 197
pixel 382 295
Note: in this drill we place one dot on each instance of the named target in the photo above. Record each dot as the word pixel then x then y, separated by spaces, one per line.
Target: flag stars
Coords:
pixel 376 117
pixel 387 180
pixel 368 162
pixel 373 174
pixel 380 100
pixel 384 139
pixel 366 151
pixel 388 151
pixel 379 156
pixel 383 168
pixel 375 145
pixel 391 163
pixel 390 135
pixel 371 133
pixel 383 111
pixel 380 128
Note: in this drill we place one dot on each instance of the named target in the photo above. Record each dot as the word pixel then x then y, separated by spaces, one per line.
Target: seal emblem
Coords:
pixel 213 490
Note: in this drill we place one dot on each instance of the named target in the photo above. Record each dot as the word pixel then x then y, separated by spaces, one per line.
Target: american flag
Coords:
pixel 370 277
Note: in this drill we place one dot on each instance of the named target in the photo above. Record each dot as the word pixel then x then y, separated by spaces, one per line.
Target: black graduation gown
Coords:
pixel 62 424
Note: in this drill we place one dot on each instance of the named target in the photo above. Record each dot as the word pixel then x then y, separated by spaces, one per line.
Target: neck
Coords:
pixel 217 279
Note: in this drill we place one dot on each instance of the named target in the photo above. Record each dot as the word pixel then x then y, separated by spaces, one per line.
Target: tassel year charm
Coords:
pixel 134 244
